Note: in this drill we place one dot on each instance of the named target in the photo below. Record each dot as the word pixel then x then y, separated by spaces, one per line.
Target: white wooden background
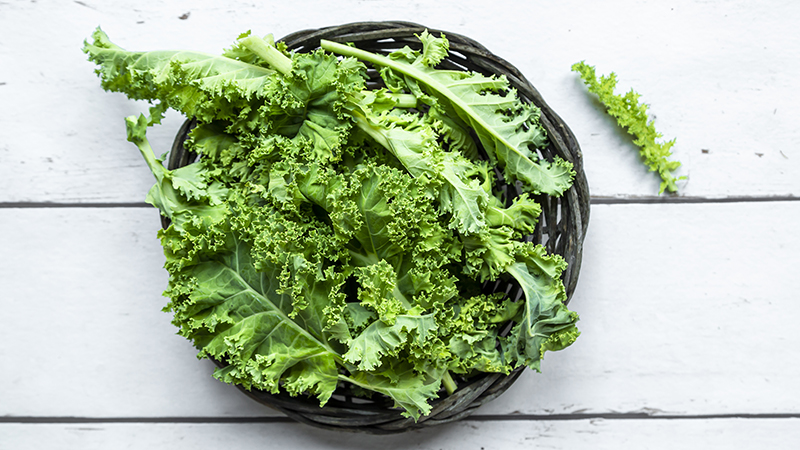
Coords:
pixel 689 304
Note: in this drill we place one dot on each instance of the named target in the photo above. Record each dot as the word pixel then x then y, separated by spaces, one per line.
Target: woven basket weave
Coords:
pixel 561 229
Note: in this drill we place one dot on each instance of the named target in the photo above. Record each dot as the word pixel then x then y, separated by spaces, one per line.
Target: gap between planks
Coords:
pixel 594 201
pixel 474 418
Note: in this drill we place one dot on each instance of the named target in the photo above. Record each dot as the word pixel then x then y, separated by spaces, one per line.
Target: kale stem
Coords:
pixel 405 100
pixel 362 259
pixel 449 383
pixel 401 298
pixel 372 131
pixel 135 128
pixel 283 64
pixel 269 53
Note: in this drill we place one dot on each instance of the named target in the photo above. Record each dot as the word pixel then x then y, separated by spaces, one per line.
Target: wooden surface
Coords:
pixel 688 304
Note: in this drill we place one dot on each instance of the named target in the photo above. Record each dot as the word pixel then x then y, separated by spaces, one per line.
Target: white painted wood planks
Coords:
pixel 717 78
pixel 595 434
pixel 686 309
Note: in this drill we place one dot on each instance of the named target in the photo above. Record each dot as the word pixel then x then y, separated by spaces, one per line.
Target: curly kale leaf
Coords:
pixel 632 116
pixel 183 194
pixel 507 127
pixel 236 314
pixel 199 85
pixel 544 323
pixel 415 146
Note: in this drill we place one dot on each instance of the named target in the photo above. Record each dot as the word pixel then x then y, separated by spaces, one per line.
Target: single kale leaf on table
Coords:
pixel 330 233
pixel 632 116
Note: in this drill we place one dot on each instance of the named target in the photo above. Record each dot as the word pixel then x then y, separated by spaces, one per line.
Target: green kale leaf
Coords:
pixel 632 116
pixel 507 127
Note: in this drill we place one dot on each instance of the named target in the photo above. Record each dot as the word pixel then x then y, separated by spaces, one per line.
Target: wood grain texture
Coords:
pixel 667 329
pixel 598 434
pixel 716 74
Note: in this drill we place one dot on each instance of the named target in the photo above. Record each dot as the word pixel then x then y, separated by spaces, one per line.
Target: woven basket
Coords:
pixel 561 229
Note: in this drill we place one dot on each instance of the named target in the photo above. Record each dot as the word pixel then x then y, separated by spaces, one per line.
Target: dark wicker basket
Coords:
pixel 562 229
